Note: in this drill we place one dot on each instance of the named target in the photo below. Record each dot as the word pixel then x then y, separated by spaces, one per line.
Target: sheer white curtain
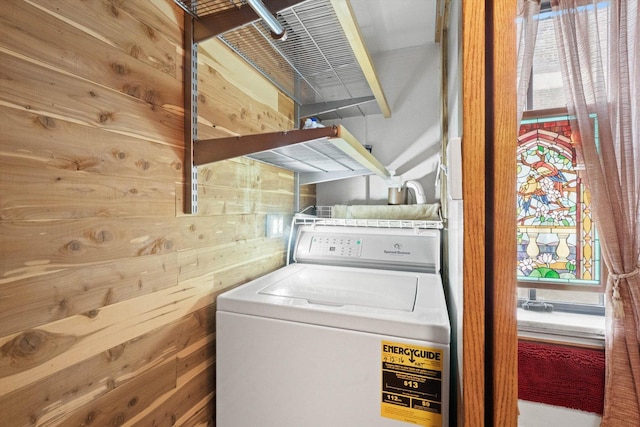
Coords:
pixel 599 53
pixel 527 27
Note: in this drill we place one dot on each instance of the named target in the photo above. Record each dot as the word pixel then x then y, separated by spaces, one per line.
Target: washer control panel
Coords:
pixel 398 249
pixel 332 245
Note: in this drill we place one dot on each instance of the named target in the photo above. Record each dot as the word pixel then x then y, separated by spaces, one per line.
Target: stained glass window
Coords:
pixel 557 241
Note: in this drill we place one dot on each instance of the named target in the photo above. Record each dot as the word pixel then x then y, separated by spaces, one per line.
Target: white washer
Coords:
pixel 355 333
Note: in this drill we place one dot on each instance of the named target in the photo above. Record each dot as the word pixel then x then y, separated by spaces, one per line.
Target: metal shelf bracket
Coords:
pixel 190 116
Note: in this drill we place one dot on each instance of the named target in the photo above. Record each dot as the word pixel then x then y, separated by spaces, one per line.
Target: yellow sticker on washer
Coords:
pixel 412 384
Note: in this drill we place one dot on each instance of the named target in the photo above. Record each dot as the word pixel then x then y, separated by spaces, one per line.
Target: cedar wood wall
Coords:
pixel 107 289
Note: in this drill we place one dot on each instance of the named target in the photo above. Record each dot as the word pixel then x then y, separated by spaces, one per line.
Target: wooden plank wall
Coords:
pixel 107 290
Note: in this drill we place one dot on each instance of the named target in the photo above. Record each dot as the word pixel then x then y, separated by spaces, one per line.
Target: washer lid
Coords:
pixel 390 303
pixel 340 288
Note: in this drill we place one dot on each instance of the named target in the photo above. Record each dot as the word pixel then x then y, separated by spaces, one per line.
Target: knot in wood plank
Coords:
pixel 32 348
pixel 136 51
pixel 114 353
pixel 73 246
pixel 143 164
pixel 119 69
pixel 114 11
pixel 150 32
pixel 30 342
pixel 47 122
pixel 91 313
pixel 153 97
pixel 105 117
pixel 157 246
pixel 101 236
pixel 118 420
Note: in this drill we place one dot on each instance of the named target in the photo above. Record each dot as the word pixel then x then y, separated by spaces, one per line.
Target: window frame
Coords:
pixel 600 288
pixel 532 286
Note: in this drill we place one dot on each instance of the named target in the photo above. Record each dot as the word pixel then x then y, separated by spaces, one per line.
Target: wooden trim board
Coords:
pixel 352 31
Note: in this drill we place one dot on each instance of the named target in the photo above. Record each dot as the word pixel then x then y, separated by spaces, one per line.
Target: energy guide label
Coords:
pixel 412 384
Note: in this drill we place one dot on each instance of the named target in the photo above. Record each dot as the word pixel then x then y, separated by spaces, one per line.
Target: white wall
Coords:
pixel 454 69
pixel 453 233
pixel 539 415
pixel 409 141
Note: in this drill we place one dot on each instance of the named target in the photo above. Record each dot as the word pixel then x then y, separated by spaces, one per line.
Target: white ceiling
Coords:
pixel 395 24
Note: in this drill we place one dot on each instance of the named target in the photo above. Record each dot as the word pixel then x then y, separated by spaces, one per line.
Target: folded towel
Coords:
pixel 425 212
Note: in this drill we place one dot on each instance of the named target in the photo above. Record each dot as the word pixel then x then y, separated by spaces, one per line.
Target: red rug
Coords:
pixel 561 375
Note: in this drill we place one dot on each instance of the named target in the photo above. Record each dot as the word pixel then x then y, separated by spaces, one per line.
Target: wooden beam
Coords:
pixel 473 193
pixel 348 144
pixel 214 150
pixel 352 31
pixel 489 149
pixel 501 210
pixel 214 24
pixel 441 6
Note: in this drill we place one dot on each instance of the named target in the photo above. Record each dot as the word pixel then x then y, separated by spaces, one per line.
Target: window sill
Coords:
pixel 568 328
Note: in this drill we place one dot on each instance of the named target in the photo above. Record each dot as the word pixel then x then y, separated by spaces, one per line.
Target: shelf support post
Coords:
pixel 190 116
